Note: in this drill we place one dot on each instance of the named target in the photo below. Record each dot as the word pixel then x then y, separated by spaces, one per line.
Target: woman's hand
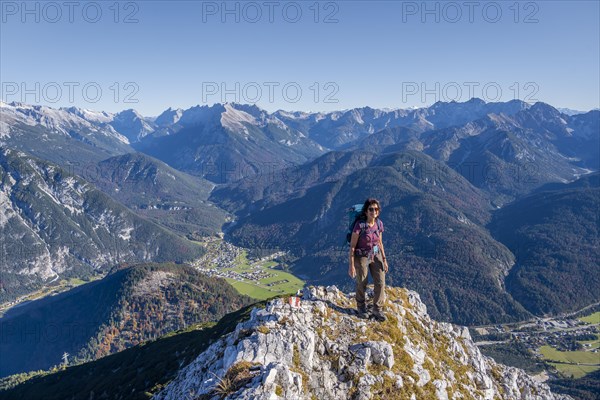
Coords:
pixel 352 271
pixel 386 268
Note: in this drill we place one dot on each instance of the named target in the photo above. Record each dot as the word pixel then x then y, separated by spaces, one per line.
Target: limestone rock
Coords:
pixel 316 347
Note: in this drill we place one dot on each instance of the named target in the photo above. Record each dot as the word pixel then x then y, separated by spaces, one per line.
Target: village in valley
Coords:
pixel 258 273
pixel 568 345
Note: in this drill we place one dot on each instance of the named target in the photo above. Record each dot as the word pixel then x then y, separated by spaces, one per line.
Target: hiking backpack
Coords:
pixel 353 215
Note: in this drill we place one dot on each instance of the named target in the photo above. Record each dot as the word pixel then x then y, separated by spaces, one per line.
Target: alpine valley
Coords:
pixel 491 214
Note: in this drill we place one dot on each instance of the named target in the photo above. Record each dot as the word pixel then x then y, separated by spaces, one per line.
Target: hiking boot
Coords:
pixel 378 316
pixel 362 312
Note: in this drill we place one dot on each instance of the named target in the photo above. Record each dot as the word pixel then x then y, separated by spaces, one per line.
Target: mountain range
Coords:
pixel 231 141
pixel 442 172
pixel 56 225
pixel 490 212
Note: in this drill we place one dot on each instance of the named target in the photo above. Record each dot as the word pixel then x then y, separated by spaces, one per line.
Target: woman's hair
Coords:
pixel 368 203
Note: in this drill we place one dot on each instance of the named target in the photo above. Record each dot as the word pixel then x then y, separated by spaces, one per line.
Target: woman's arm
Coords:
pixel 353 241
pixel 385 264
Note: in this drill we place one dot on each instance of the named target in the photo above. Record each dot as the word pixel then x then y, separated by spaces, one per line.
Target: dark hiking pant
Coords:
pixel 362 266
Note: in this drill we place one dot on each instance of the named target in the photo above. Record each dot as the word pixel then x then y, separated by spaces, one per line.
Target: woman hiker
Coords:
pixel 367 254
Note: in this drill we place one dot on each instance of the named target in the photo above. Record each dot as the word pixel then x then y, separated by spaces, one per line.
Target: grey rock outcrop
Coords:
pixel 319 349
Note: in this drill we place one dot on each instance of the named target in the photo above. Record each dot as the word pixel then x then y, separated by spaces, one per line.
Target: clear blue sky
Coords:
pixel 340 54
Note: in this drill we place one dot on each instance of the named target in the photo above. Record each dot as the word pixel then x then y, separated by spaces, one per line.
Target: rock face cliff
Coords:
pixel 315 347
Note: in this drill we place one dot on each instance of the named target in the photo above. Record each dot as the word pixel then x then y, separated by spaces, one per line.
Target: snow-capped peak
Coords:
pixel 169 117
pixel 233 118
pixel 90 115
pixel 61 120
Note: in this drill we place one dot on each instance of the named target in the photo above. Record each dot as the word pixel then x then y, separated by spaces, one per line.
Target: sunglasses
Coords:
pixel 373 209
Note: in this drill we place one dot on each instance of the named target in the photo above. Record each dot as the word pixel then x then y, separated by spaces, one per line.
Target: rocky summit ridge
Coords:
pixel 314 346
